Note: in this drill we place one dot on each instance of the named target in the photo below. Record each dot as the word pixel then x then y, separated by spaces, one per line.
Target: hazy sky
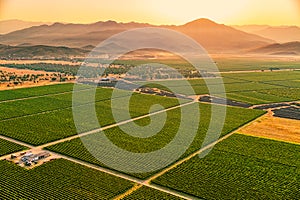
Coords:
pixel 273 12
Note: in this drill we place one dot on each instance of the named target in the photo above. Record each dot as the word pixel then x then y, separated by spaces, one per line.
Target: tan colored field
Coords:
pixel 24 84
pixel 22 71
pixel 30 84
pixel 39 61
pixel 276 128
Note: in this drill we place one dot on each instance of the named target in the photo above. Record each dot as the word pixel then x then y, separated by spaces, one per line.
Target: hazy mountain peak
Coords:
pixel 106 23
pixel 201 22
pixel 57 24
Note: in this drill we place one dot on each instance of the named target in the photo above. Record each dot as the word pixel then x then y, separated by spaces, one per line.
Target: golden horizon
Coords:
pixel 167 12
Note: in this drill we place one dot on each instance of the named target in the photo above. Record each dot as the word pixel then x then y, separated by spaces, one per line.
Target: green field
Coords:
pixel 264 77
pixel 215 88
pixel 252 88
pixel 265 96
pixel 45 119
pixel 58 179
pixel 149 193
pixel 35 91
pixel 7 147
pixel 240 167
pixel 51 102
pixel 283 86
pixel 235 118
pixel 226 64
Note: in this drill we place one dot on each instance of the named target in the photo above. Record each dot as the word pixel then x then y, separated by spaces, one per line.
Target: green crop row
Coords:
pixel 264 76
pixel 7 147
pixel 58 179
pixel 53 102
pixel 45 127
pixel 35 91
pixel 149 193
pixel 265 96
pixel 240 167
pixel 234 119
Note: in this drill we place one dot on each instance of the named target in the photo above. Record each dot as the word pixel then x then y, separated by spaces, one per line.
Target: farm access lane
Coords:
pixel 113 125
pixel 16 141
pixel 40 147
pixel 115 173
pixel 181 161
pixel 146 182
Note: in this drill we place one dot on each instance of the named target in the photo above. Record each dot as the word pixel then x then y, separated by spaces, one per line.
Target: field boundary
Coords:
pixel 146 182
pixel 179 162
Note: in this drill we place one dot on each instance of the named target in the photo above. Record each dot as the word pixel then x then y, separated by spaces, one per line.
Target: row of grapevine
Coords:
pixel 40 128
pixel 58 179
pixel 149 193
pixel 7 147
pixel 31 106
pixel 34 91
pixel 240 167
pixel 265 76
pixel 236 117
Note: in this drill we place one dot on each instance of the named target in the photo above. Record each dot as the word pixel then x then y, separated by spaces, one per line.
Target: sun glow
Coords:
pixel 279 12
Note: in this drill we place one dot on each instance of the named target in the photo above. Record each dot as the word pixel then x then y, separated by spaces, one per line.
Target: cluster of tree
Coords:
pixel 72 70
pixel 115 68
pixel 11 78
pixel 48 67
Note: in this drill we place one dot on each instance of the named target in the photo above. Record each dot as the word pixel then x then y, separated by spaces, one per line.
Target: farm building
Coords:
pixel 28 158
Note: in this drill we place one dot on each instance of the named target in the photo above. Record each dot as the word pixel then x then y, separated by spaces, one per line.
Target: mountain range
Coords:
pixel 289 48
pixel 214 37
pixel 281 34
pixel 7 26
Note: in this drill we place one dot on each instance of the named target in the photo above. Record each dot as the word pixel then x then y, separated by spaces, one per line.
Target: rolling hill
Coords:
pixel 290 48
pixel 221 38
pixel 39 52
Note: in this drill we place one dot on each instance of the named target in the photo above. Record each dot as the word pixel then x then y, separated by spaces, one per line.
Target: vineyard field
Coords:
pixel 254 97
pixel 35 127
pixel 253 88
pixel 236 117
pixel 7 147
pixel 149 193
pixel 265 76
pixel 265 96
pixel 234 86
pixel 52 102
pixel 35 91
pixel 240 167
pixel 59 179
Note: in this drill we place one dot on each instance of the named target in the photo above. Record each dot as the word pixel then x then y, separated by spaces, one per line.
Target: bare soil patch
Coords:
pixel 287 130
pixel 17 158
